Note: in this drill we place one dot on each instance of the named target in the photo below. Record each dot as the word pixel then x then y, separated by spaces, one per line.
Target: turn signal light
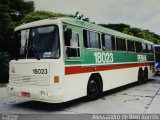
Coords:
pixel 56 79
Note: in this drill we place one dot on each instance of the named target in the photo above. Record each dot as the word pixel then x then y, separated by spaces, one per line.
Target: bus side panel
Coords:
pixel 118 77
pixel 75 86
pixel 151 71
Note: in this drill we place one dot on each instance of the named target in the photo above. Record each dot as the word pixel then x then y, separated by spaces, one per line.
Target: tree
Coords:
pixel 117 27
pixel 146 34
pixel 39 15
pixel 6 27
pixel 126 30
pixel 4 60
pixel 11 13
pixel 137 32
pixel 18 8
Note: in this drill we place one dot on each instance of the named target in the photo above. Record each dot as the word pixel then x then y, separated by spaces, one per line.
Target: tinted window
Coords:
pixel 157 53
pixel 91 39
pixel 138 46
pixel 72 46
pixel 108 42
pixel 39 42
pixel 144 48
pixel 130 46
pixel 150 48
pixel 121 44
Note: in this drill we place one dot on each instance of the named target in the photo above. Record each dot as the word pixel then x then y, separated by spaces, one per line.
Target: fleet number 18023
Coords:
pixel 103 57
pixel 40 71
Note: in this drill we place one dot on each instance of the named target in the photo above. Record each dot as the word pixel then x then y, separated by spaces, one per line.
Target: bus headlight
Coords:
pixel 49 94
pixel 42 94
pixel 10 89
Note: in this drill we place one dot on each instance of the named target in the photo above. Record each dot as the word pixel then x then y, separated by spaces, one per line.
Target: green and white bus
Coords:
pixel 67 58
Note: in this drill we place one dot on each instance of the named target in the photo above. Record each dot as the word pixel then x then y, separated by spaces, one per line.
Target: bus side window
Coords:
pixel 144 48
pixel 130 46
pixel 138 46
pixel 147 51
pixel 121 44
pixel 91 39
pixel 72 46
pixel 108 42
pixel 150 49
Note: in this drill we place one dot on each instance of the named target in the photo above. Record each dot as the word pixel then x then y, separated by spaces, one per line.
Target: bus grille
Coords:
pixel 29 79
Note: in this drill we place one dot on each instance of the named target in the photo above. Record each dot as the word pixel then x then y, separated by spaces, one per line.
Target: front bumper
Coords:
pixel 37 93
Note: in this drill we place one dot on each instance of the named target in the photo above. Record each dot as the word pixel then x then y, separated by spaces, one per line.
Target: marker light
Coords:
pixel 56 79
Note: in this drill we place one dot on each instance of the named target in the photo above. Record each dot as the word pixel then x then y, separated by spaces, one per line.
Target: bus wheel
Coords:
pixel 145 74
pixel 93 88
pixel 140 76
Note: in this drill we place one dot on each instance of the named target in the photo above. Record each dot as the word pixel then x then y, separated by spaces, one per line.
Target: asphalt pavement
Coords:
pixel 130 99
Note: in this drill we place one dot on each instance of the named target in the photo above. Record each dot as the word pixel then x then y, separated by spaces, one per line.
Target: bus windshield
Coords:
pixel 39 42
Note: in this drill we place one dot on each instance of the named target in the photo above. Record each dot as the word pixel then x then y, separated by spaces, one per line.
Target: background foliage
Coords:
pixel 138 32
pixel 39 15
pixel 11 14
pixel 4 60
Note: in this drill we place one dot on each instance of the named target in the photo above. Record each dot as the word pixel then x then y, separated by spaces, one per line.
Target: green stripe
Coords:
pixel 118 57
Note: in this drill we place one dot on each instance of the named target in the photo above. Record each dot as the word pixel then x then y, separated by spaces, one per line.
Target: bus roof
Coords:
pixel 157 45
pixel 83 24
pixel 36 24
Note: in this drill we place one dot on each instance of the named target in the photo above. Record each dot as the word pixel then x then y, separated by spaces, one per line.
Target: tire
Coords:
pixel 145 74
pixel 140 76
pixel 94 88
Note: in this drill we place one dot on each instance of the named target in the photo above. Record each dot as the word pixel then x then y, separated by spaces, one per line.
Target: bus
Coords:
pixel 62 59
pixel 157 57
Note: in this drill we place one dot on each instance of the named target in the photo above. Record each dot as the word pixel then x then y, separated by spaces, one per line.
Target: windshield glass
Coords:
pixel 39 42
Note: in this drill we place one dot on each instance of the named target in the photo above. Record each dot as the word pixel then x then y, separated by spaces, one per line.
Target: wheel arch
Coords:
pixel 97 75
